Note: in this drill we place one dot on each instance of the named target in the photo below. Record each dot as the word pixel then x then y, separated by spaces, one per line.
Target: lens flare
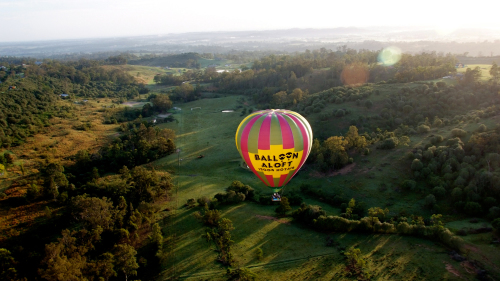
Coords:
pixel 354 75
pixel 389 56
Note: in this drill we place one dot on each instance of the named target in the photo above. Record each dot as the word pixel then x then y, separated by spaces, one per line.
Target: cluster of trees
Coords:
pixel 27 104
pixel 316 217
pixel 188 60
pixel 137 146
pixel 105 222
pixel 218 232
pixel 465 175
pixel 333 152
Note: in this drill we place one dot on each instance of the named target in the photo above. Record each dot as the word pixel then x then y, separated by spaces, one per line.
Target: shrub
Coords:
pixel 496 224
pixel 388 143
pixel 458 133
pixel 430 201
pixel 409 185
pixel 368 104
pixel 473 208
pixel 437 139
pixel 439 192
pixel 482 128
pixel 294 199
pixel 494 213
pixel 416 165
pixel 456 194
pixel 423 129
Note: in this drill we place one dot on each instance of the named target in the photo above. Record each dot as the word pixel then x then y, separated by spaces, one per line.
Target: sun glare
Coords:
pixel 389 56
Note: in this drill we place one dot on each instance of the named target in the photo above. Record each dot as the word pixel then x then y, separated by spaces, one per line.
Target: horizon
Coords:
pixel 51 20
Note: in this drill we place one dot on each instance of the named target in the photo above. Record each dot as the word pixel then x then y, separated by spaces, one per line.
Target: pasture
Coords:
pixel 145 74
pixel 485 70
pixel 291 251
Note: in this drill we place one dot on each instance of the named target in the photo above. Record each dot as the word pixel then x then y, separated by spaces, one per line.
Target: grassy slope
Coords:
pixel 146 73
pixel 485 70
pixel 210 132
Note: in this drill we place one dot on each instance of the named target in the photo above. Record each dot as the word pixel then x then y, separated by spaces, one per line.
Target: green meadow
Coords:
pixel 292 251
pixel 485 70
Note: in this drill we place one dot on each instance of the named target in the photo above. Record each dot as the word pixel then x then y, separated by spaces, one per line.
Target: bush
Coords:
pixel 494 213
pixel 295 199
pixel 388 143
pixel 437 139
pixel 473 208
pixel 416 165
pixel 423 129
pixel 458 133
pixel 409 185
pixel 496 224
pixel 482 128
pixel 439 192
pixel 239 187
pixel 430 201
pixel 368 104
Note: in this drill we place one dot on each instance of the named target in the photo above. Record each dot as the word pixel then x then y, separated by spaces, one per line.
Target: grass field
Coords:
pixel 292 252
pixel 485 70
pixel 145 74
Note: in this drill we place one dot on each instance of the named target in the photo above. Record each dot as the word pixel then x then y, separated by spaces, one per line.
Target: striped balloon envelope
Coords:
pixel 274 143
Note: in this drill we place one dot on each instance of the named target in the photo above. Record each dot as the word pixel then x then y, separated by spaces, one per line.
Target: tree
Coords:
pixel 377 214
pixel 350 208
pixel 7 265
pixel 64 260
pixel 125 260
pixel 354 140
pixel 494 71
pixel 283 207
pixel 241 274
pixel 430 201
pixel 336 148
pixel 161 103
pixel 157 238
pixel 355 263
pixel 94 212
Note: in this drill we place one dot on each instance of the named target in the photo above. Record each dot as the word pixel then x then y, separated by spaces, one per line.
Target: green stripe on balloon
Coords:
pixel 241 128
pixel 276 137
pixel 253 137
pixel 297 136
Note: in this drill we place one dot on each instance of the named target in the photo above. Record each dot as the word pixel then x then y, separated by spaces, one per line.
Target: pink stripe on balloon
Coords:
pixel 244 145
pixel 270 179
pixel 282 179
pixel 305 136
pixel 265 134
pixel 286 133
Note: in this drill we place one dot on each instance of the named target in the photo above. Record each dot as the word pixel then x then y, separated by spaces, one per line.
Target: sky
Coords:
pixel 34 20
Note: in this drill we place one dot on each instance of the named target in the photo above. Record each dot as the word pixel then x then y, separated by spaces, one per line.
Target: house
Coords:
pixel 64 95
pixel 38 62
pixel 459 65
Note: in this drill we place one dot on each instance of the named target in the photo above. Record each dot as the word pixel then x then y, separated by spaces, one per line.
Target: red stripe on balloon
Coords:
pixel 270 179
pixel 286 133
pixel 244 145
pixel 282 179
pixel 265 134
pixel 305 136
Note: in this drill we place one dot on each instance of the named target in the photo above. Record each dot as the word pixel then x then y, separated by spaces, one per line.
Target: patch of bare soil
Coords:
pixel 451 269
pixel 131 103
pixel 273 218
pixel 347 169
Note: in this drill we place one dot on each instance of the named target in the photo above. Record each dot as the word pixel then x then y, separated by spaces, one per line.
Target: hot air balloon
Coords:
pixel 274 143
